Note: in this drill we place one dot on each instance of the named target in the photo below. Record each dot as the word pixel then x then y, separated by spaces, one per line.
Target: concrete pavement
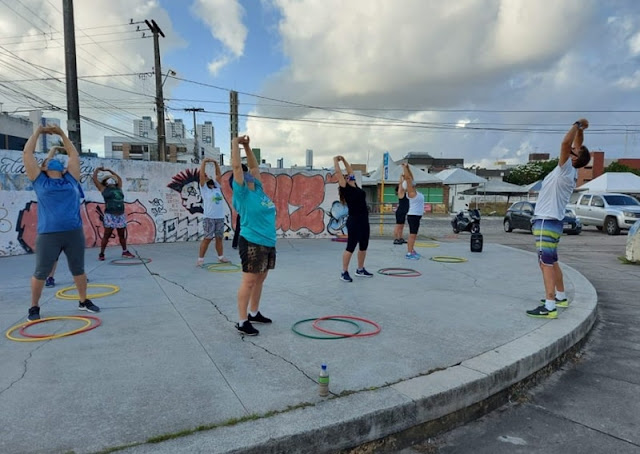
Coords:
pixel 167 359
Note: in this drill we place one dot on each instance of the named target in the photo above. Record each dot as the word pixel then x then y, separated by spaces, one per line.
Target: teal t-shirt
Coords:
pixel 257 214
pixel 58 203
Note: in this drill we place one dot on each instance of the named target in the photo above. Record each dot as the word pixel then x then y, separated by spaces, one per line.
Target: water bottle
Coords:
pixel 323 381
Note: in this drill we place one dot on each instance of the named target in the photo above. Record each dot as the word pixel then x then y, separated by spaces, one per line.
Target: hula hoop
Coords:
pixel 61 294
pixel 448 259
pixel 23 330
pixel 222 267
pixel 293 328
pixel 378 328
pixel 425 244
pixel 129 262
pixel 32 338
pixel 399 272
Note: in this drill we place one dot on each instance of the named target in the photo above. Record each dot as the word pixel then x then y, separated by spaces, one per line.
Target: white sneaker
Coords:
pixel 224 260
pixel 200 262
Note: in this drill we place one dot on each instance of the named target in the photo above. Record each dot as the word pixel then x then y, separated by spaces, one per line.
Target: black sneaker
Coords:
pixel 542 312
pixel 345 277
pixel 88 306
pixel 34 313
pixel 559 303
pixel 247 329
pixel 397 241
pixel 363 273
pixel 50 282
pixel 259 318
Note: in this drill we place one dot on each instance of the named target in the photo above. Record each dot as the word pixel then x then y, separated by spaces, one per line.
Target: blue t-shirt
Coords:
pixel 257 214
pixel 58 203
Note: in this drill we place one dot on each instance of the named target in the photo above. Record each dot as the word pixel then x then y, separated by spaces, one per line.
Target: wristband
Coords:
pixel 578 124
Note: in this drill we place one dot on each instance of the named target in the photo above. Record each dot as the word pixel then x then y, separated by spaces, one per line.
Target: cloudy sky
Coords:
pixel 483 80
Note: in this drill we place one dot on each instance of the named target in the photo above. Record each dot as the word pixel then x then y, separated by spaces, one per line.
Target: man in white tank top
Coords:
pixel 547 227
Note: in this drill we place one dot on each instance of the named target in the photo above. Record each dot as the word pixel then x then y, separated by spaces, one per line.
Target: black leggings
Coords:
pixel 358 232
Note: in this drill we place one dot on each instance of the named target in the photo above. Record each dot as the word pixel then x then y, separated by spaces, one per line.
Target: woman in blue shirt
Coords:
pixel 257 242
pixel 59 223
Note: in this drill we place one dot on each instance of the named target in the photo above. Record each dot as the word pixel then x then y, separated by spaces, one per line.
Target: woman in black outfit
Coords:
pixel 358 221
pixel 401 211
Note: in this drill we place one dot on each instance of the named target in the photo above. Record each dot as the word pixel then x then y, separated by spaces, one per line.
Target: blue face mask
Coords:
pixel 351 178
pixel 56 165
pixel 249 178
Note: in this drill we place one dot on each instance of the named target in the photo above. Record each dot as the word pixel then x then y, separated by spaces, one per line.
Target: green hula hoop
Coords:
pixel 448 259
pixel 293 328
pixel 222 267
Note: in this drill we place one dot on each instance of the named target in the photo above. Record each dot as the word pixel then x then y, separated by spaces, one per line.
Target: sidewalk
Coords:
pixel 167 357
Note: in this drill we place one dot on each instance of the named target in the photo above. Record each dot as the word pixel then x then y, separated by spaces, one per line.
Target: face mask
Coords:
pixel 249 178
pixel 351 178
pixel 54 164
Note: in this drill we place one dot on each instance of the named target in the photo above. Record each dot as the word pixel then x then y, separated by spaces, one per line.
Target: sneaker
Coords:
pixel 259 318
pixel 101 257
pixel 345 277
pixel 414 252
pixel 128 255
pixel 247 329
pixel 412 256
pixel 397 241
pixel 402 241
pixel 223 260
pixel 200 262
pixel 363 273
pixel 560 303
pixel 88 306
pixel 50 282
pixel 542 312
pixel 34 313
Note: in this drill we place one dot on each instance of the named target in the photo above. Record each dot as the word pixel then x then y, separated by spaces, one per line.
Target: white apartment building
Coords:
pixel 144 127
pixel 206 134
pixel 175 129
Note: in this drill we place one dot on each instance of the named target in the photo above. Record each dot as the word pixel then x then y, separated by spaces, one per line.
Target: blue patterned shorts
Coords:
pixel 547 233
pixel 115 221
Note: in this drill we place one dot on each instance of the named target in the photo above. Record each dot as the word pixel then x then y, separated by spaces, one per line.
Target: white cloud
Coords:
pixel 224 19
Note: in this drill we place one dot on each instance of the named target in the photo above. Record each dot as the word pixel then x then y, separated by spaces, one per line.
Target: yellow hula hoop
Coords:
pixel 425 244
pixel 448 259
pixel 54 336
pixel 223 268
pixel 61 294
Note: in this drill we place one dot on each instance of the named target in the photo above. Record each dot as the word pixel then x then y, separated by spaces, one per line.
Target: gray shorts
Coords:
pixel 213 228
pixel 50 245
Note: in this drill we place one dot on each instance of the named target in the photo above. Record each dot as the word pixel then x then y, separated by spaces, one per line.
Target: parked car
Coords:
pixel 609 211
pixel 520 216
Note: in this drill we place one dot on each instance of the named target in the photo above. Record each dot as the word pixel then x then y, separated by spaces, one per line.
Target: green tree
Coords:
pixel 531 172
pixel 617 167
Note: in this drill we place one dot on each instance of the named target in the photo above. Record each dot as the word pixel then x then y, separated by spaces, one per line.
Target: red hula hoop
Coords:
pixel 349 317
pixel 23 330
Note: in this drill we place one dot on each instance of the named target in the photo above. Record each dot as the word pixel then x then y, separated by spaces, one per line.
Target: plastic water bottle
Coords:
pixel 323 381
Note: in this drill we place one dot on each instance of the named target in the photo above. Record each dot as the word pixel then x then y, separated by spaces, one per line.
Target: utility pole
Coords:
pixel 233 117
pixel 73 104
pixel 162 139
pixel 196 157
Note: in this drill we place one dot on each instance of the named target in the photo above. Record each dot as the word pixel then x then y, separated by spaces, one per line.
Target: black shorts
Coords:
pixel 255 257
pixel 401 216
pixel 414 223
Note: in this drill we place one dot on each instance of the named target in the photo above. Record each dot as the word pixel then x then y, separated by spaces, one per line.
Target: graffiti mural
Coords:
pixel 163 203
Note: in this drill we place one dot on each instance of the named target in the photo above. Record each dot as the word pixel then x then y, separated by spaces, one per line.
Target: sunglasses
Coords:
pixel 574 153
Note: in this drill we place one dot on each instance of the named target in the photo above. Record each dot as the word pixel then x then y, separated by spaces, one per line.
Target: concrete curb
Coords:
pixel 361 417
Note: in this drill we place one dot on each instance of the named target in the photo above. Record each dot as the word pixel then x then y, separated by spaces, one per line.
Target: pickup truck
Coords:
pixel 609 211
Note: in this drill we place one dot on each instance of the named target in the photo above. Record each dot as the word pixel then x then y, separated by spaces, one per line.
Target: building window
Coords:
pixel 116 147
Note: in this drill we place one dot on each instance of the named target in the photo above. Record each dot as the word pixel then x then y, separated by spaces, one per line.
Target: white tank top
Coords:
pixel 416 205
pixel 556 190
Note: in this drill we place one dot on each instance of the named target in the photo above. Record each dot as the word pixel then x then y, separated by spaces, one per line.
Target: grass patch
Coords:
pixel 624 261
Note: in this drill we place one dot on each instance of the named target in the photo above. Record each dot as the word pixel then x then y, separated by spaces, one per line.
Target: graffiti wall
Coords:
pixel 163 202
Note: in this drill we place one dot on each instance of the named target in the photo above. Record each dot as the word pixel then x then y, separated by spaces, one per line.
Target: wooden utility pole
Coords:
pixel 196 155
pixel 73 103
pixel 162 138
pixel 233 117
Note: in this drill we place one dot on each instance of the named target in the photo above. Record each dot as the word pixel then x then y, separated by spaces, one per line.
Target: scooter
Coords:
pixel 466 221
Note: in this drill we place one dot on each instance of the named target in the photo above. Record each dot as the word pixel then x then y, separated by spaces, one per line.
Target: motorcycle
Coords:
pixel 466 221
